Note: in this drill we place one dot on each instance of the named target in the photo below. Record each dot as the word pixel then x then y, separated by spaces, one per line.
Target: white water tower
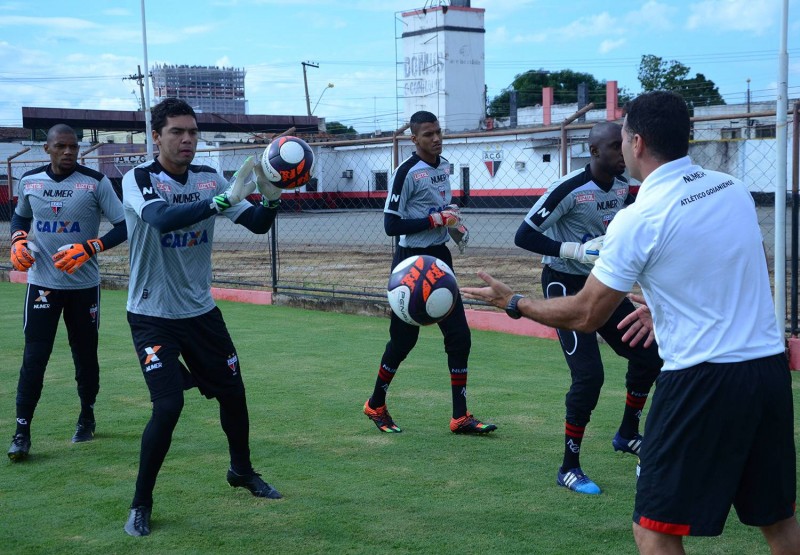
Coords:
pixel 442 69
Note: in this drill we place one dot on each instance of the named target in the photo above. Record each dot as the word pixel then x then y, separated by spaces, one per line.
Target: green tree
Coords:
pixel 657 74
pixel 336 128
pixel 565 83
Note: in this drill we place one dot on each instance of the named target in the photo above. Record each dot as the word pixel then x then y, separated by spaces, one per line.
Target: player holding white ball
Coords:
pixel 419 213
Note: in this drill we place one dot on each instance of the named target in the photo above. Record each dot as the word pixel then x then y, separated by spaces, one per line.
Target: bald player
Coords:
pixel 61 204
pixel 567 225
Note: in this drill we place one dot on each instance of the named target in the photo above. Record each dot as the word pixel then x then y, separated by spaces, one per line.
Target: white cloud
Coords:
pixel 607 45
pixel 755 16
pixel 652 14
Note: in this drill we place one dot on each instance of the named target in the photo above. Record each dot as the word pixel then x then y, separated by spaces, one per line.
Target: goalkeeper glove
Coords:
pixel 449 217
pixel 240 188
pixel 21 257
pixel 71 257
pixel 585 253
pixel 270 194
pixel 460 235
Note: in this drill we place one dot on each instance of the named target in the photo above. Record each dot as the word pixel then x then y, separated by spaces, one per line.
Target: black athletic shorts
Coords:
pixel 718 435
pixel 203 342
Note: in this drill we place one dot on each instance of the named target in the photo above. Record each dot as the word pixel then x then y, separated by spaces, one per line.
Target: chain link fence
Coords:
pixel 328 240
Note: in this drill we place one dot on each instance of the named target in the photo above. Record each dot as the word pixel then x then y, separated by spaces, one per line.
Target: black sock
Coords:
pixel 573 436
pixel 634 403
pixel 385 376
pixel 458 387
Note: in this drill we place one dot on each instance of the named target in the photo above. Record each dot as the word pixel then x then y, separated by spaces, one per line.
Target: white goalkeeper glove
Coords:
pixel 585 253
pixel 240 188
pixel 449 217
pixel 270 193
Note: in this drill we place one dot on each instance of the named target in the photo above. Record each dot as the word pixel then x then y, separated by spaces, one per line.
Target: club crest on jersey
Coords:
pixel 56 206
pixel 442 191
pixel 232 363
pixel 607 219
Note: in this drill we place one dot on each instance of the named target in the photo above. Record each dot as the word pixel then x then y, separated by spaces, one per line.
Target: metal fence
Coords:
pixel 328 240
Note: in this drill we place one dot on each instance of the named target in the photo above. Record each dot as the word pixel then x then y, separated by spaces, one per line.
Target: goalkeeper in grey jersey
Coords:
pixel 170 205
pixel 567 225
pixel 61 202
pixel 419 213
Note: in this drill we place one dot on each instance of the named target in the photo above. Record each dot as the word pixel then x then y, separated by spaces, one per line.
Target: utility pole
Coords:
pixel 749 121
pixel 305 82
pixel 139 78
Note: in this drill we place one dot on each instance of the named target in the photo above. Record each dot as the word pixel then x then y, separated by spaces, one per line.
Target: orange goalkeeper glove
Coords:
pixel 21 257
pixel 71 257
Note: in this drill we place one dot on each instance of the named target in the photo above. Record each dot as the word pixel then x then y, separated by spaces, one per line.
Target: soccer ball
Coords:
pixel 422 290
pixel 288 162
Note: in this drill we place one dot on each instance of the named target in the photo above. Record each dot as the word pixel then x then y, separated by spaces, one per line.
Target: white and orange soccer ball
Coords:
pixel 288 162
pixel 422 290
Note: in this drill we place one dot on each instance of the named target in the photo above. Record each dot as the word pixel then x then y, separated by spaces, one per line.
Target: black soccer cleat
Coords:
pixel 138 521
pixel 254 484
pixel 20 447
pixel 84 431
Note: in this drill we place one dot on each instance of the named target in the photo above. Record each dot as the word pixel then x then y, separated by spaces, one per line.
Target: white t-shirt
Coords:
pixel 693 243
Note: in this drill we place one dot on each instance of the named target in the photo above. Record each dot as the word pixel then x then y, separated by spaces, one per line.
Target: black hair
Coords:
pixel 661 118
pixel 419 118
pixel 169 108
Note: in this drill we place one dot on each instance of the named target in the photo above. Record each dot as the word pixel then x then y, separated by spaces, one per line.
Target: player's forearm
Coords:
pixel 22 223
pixel 169 217
pixel 531 240
pixel 118 234
pixel 258 218
pixel 395 225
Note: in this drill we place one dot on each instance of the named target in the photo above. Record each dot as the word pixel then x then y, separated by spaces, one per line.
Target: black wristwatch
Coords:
pixel 511 307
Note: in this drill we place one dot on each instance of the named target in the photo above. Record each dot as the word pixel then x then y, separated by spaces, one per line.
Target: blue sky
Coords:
pixel 76 54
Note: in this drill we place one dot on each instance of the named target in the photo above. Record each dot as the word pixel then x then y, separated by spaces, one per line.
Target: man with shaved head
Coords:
pixel 567 225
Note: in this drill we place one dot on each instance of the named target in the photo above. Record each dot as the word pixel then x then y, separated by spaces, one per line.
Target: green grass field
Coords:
pixel 347 488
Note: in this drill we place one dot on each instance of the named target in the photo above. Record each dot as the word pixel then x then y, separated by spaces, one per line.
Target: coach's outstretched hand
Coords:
pixel 585 253
pixel 21 257
pixel 497 293
pixel 270 192
pixel 240 188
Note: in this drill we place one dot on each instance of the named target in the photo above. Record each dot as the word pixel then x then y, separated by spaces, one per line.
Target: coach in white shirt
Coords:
pixel 720 431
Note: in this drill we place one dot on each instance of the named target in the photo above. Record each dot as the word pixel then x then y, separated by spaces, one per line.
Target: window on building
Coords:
pixel 765 131
pixel 381 181
pixel 730 133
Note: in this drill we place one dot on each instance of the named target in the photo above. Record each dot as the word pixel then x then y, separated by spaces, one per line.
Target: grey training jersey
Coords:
pixel 576 209
pixel 418 190
pixel 171 272
pixel 65 209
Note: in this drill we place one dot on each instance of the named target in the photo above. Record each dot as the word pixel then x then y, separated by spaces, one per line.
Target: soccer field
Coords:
pixel 347 488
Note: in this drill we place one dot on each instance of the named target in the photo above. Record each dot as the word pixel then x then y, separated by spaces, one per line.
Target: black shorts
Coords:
pixel 718 435
pixel 211 362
